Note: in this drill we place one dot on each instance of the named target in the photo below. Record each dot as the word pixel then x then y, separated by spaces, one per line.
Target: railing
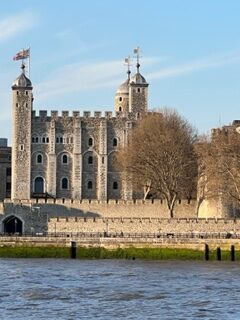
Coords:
pixel 87 235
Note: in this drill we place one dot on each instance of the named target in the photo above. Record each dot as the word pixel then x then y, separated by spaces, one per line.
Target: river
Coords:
pixel 118 289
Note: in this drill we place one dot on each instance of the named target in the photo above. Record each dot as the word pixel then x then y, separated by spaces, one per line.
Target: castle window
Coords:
pixel 21 147
pixel 8 172
pixel 102 160
pixel 120 99
pixel 17 105
pixel 71 140
pixel 26 93
pixel 115 142
pixel 57 139
pixel 43 139
pixel 64 159
pixel 17 93
pixel 90 142
pixel 90 160
pixel 26 105
pixel 115 185
pixel 139 90
pixel 34 139
pixel 61 139
pixel 39 158
pixel 90 185
pixel 47 140
pixel 120 108
pixel 64 183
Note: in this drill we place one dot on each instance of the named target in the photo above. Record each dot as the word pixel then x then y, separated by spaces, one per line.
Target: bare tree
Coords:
pixel 219 167
pixel 160 156
pixel 208 182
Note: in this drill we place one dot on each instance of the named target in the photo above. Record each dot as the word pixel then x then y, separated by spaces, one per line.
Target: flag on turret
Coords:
pixel 23 54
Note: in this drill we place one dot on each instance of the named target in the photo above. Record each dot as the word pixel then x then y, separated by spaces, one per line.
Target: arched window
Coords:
pixel 61 139
pixel 57 139
pixel 90 142
pixel 65 159
pixel 115 185
pixel 120 99
pixel 115 142
pixel 64 183
pixel 90 185
pixel 39 185
pixel 120 108
pixel 90 160
pixel 34 139
pixel 43 139
pixel 39 158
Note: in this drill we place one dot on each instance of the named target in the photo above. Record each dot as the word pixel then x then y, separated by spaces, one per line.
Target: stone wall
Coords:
pixel 142 225
pixel 111 208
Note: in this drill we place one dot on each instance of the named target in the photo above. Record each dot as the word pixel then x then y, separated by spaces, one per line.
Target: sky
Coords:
pixel 190 55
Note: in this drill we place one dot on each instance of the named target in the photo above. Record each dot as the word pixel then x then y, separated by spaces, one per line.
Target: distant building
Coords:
pixel 5 169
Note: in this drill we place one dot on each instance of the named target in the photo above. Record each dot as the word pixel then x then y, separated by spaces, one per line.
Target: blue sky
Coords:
pixel 190 55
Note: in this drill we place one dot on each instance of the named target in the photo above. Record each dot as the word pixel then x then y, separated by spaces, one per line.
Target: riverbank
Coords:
pixel 98 247
pixel 120 253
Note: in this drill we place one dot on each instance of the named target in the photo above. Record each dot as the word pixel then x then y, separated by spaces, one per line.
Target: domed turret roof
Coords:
pixel 22 80
pixel 123 88
pixel 138 79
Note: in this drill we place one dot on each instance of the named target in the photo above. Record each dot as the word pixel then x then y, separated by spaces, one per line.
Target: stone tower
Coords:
pixel 21 137
pixel 132 95
pixel 138 93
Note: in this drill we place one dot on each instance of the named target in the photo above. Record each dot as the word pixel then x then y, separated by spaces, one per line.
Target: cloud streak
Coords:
pixel 198 65
pixel 15 24
pixel 80 77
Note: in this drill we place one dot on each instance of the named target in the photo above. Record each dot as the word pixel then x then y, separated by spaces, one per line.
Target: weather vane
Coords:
pixel 127 62
pixel 136 51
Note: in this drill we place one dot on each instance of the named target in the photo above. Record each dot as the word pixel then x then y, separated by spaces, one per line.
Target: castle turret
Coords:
pixel 122 95
pixel 132 94
pixel 21 137
pixel 138 93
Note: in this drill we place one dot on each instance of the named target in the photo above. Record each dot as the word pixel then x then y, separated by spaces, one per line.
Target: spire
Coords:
pixel 136 51
pixel 23 68
pixel 128 64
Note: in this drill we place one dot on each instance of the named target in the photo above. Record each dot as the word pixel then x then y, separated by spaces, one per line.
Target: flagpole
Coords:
pixel 29 63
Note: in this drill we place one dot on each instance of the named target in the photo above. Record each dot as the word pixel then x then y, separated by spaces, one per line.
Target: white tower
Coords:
pixel 21 137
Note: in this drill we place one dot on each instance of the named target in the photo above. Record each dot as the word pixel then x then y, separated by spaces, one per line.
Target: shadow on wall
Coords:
pixel 49 210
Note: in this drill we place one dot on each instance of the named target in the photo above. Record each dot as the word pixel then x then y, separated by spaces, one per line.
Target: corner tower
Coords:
pixel 138 91
pixel 21 137
pixel 121 102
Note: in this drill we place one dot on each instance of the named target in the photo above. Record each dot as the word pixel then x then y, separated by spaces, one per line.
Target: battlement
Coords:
pixel 43 114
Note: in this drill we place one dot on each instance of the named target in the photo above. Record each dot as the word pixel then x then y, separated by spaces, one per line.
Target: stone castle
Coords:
pixel 72 156
pixel 63 173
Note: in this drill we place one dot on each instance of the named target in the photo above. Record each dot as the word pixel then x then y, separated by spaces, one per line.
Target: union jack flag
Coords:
pixel 23 54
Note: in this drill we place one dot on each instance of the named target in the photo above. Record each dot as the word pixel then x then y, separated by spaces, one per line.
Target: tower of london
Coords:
pixel 72 155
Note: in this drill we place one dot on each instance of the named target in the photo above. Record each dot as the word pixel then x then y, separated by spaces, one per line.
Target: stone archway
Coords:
pixel 12 225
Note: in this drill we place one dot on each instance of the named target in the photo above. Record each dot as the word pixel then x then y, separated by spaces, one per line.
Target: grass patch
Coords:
pixel 120 253
pixel 34 252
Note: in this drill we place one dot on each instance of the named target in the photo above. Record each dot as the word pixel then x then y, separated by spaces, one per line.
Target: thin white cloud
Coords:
pixel 207 63
pixel 15 24
pixel 80 77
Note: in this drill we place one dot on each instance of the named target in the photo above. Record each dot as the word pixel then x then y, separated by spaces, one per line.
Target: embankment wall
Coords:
pixel 142 225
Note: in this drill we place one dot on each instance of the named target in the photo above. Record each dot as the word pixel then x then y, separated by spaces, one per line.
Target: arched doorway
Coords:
pixel 39 185
pixel 13 225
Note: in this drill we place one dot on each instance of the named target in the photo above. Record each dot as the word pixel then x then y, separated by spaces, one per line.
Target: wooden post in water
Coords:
pixel 232 253
pixel 73 249
pixel 206 252
pixel 219 254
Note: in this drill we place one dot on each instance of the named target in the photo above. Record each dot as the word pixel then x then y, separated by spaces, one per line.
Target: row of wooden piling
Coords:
pixel 219 253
